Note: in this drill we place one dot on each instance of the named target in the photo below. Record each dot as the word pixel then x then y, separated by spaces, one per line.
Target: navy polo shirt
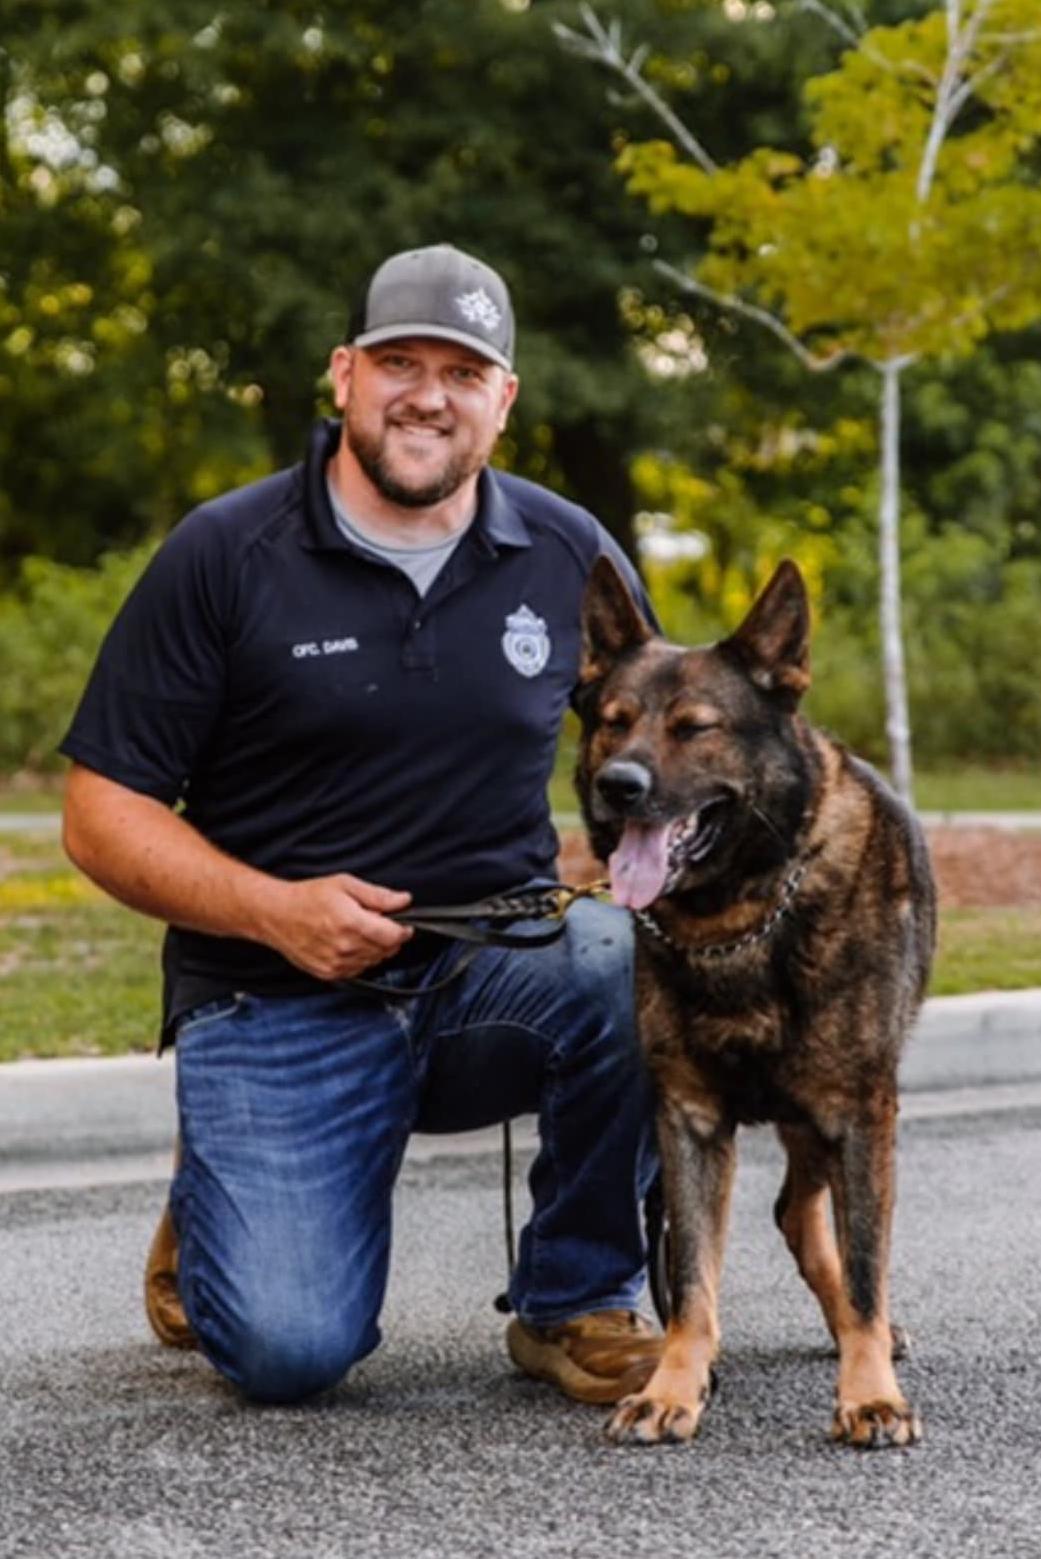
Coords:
pixel 313 714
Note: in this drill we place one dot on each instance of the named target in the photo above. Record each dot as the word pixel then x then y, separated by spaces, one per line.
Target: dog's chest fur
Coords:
pixel 736 1034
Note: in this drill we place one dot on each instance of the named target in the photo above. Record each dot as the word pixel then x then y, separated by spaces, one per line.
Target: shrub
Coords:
pixel 51 625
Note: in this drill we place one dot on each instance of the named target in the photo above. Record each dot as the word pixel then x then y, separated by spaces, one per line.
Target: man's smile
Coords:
pixel 427 431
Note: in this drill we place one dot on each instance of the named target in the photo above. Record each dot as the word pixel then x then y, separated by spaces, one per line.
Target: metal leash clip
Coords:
pixel 565 896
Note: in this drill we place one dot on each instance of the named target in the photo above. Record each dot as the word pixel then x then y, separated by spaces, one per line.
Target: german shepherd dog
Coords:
pixel 785 924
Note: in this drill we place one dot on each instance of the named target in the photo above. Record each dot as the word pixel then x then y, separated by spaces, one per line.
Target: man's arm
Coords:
pixel 152 860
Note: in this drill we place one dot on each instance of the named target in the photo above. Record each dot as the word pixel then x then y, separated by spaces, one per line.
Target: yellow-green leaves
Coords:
pixel 914 232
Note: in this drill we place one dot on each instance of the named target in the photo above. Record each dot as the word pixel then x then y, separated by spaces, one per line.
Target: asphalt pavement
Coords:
pixel 113 1448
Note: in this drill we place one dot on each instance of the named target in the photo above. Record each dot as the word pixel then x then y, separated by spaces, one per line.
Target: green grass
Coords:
pixel 80 977
pixel 78 974
pixel 987 949
pixel 45 799
pixel 973 788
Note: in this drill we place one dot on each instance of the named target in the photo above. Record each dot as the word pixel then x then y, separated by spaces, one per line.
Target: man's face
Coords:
pixel 420 416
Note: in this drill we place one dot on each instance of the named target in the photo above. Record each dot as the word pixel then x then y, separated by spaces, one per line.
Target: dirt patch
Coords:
pixel 984 868
pixel 976 868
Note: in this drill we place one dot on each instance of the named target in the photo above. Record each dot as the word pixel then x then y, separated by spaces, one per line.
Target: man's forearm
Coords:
pixel 153 861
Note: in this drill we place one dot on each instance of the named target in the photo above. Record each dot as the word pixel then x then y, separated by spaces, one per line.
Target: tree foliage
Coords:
pixel 191 195
pixel 852 246
pixel 912 232
pixel 196 194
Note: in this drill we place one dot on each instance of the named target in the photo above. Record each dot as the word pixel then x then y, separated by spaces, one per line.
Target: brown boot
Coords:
pixel 162 1301
pixel 600 1357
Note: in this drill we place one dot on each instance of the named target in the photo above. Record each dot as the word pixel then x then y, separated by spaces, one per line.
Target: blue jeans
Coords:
pixel 295 1112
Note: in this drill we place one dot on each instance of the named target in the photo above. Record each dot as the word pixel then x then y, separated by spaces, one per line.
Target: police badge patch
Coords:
pixel 526 644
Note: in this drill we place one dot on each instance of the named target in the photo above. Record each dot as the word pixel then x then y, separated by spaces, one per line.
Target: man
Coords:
pixel 348 678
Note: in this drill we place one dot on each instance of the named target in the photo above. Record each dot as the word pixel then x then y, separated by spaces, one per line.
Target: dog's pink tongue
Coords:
pixel 640 865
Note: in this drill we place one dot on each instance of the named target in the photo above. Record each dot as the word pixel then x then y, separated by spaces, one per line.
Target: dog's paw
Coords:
pixel 648 1420
pixel 872 1426
pixel 669 1415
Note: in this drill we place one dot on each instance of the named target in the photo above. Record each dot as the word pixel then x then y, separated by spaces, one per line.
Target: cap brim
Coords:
pixel 437 333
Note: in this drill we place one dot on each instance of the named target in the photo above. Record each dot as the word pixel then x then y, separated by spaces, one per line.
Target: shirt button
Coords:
pixel 417 625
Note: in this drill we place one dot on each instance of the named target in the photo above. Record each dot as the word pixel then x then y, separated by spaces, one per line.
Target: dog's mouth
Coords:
pixel 651 858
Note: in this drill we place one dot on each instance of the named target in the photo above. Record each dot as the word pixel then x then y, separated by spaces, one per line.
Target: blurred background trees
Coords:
pixel 191 198
pixel 908 236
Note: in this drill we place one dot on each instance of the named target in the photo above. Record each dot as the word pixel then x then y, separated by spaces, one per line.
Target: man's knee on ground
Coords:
pixel 282 1363
pixel 282 1358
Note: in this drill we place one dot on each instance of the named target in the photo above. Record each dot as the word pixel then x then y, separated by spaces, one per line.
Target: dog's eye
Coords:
pixel 686 730
pixel 617 725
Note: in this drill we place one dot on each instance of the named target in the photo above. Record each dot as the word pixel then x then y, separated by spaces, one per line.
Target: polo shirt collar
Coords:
pixel 498 520
pixel 498 523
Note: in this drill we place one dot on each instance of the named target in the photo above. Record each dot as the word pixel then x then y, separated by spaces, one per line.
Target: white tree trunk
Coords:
pixel 898 724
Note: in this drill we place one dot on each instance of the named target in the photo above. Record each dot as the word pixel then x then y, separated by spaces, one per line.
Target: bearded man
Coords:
pixel 335 693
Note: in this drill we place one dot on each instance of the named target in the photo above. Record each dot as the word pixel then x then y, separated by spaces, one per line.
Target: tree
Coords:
pixel 909 236
pixel 213 183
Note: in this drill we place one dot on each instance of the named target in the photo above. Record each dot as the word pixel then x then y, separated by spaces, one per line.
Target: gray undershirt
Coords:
pixel 422 564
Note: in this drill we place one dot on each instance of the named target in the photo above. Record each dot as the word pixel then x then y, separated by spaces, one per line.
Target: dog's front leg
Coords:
pixel 697 1152
pixel 870 1409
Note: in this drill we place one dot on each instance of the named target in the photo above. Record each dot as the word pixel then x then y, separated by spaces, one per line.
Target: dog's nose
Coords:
pixel 623 784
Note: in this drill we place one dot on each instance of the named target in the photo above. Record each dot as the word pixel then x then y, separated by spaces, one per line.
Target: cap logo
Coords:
pixel 526 644
pixel 478 309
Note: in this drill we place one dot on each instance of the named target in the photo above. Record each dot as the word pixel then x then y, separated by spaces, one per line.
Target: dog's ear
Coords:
pixel 773 642
pixel 611 621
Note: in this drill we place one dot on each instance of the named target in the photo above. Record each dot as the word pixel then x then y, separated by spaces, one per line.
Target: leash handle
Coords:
pixel 480 936
pixel 404 992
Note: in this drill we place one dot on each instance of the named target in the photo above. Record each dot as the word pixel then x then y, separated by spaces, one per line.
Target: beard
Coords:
pixel 370 451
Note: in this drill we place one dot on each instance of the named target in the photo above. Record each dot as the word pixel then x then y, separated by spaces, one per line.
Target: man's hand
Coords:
pixel 336 927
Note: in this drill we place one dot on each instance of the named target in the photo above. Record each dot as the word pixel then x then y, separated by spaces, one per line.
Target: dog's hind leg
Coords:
pixel 870 1409
pixel 697 1169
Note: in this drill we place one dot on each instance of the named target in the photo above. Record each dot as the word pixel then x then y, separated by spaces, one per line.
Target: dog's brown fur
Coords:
pixel 804 1025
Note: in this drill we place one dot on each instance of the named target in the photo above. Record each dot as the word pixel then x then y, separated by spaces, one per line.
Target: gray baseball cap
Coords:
pixel 439 291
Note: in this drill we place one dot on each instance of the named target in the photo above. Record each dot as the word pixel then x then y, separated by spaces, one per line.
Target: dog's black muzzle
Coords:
pixel 621 789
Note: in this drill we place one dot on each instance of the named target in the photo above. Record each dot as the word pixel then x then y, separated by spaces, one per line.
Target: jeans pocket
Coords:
pixel 210 1012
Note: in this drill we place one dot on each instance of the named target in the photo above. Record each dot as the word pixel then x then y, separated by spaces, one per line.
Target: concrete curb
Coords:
pixel 87 1121
pixel 986 1038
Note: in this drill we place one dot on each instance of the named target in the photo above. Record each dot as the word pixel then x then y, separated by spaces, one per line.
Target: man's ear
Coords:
pixel 611 621
pixel 773 642
pixel 341 366
pixel 511 384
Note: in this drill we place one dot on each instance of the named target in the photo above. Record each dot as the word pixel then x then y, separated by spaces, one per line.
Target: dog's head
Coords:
pixel 689 757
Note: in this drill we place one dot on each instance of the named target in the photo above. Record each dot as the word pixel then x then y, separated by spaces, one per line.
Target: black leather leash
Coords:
pixel 475 924
pixel 457 920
